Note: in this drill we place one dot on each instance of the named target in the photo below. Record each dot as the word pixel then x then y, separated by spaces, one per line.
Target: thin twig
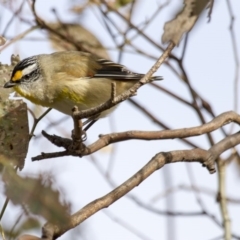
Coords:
pixel 15 224
pixel 235 55
pixel 12 18
pixel 202 190
pixel 2 232
pixel 36 121
pixel 18 37
pixel 158 122
pixel 222 199
pixel 126 225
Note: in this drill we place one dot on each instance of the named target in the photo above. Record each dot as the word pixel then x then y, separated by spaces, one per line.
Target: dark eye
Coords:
pixel 27 76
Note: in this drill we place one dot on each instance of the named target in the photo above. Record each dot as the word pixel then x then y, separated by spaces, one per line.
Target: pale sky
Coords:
pixel 210 65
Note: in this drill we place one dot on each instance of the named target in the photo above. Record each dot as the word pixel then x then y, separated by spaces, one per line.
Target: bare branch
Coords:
pixel 107 139
pixel 51 231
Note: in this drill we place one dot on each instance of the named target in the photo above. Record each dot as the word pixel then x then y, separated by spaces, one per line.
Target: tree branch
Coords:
pixel 51 231
pixel 107 139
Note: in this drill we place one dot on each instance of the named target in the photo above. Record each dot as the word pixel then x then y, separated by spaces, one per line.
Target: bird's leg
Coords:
pixel 78 134
pixel 89 124
pixel 90 121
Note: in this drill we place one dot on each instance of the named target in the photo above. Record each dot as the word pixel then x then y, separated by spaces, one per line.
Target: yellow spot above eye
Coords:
pixel 17 75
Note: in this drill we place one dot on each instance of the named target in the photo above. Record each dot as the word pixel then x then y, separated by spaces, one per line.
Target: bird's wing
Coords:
pixel 82 65
pixel 117 71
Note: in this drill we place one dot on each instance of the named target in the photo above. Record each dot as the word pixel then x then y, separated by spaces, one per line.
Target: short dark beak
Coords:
pixel 9 84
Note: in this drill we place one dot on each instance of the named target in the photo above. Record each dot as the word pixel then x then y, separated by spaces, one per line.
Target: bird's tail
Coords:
pixel 156 78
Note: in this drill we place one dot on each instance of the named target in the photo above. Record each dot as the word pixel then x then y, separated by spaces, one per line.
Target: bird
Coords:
pixel 61 80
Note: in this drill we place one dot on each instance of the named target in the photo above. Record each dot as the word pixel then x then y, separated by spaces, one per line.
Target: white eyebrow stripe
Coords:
pixel 29 69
